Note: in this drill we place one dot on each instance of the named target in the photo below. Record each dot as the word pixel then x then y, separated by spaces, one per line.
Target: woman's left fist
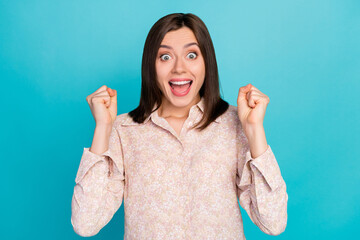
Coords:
pixel 251 105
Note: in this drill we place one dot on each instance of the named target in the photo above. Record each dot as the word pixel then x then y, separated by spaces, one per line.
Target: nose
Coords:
pixel 179 66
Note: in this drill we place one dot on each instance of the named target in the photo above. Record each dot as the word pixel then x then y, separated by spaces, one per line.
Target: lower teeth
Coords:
pixel 172 86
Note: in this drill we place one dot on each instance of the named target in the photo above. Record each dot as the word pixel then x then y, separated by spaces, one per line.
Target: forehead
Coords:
pixel 180 36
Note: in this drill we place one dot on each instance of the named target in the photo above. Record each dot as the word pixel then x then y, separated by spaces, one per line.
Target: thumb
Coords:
pixel 113 95
pixel 242 99
pixel 113 103
pixel 244 90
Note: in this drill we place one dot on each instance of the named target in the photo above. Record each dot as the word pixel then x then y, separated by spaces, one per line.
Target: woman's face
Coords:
pixel 180 68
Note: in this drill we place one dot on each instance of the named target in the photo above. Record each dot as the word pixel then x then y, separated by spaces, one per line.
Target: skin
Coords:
pixel 176 58
pixel 252 106
pixel 178 61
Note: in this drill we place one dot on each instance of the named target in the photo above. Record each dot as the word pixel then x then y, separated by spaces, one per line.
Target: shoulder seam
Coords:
pixel 120 119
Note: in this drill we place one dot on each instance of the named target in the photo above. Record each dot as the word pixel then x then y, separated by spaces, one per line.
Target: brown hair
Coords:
pixel 150 93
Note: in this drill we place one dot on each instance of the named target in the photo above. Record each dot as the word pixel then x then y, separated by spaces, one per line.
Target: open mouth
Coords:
pixel 180 88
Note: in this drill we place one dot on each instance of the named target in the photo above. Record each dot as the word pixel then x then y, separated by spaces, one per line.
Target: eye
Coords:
pixel 192 55
pixel 165 57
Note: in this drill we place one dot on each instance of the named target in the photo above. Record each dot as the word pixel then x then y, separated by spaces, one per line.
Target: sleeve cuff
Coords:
pixel 267 166
pixel 88 159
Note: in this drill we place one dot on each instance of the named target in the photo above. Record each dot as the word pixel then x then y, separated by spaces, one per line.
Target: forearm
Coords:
pixel 262 192
pixel 101 137
pixel 96 196
pixel 257 139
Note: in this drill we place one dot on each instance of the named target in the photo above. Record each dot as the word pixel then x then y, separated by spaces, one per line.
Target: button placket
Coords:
pixel 186 173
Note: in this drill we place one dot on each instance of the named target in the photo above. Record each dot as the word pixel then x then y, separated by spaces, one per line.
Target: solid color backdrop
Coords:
pixel 303 54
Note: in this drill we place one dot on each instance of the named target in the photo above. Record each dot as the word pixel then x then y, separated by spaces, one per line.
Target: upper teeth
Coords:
pixel 180 82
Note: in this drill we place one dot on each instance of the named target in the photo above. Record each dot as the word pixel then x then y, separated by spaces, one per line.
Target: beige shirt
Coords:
pixel 179 187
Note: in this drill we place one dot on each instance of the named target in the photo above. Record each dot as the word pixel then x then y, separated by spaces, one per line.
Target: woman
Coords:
pixel 183 158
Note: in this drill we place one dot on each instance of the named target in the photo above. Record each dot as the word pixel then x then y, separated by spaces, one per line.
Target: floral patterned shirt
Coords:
pixel 185 186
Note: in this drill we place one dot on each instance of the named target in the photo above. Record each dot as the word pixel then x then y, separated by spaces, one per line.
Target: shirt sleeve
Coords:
pixel 261 189
pixel 99 187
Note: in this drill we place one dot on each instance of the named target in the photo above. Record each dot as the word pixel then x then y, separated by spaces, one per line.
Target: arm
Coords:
pixel 98 192
pixel 261 188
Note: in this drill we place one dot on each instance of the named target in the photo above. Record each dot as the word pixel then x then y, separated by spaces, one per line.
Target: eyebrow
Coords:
pixel 185 46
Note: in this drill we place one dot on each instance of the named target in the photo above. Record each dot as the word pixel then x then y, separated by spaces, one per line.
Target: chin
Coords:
pixel 181 102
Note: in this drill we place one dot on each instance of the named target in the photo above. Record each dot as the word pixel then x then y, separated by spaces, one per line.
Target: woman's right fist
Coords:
pixel 103 105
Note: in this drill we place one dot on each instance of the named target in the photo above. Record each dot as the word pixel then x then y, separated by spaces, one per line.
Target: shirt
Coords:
pixel 179 187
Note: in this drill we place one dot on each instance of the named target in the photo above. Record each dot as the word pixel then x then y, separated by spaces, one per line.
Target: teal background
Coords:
pixel 303 54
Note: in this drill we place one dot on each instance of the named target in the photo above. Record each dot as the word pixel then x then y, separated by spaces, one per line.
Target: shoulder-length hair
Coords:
pixel 214 105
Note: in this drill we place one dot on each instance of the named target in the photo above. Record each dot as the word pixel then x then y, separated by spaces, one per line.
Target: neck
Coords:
pixel 167 110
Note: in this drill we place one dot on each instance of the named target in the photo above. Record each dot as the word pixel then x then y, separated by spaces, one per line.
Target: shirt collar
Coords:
pixel 200 105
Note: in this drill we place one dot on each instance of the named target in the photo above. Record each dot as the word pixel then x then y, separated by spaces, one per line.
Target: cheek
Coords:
pixel 161 71
pixel 161 77
pixel 199 71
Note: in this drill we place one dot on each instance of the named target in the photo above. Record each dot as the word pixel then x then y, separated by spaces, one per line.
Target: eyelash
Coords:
pixel 188 54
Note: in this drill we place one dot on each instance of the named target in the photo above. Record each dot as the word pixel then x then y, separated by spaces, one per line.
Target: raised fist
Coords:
pixel 103 105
